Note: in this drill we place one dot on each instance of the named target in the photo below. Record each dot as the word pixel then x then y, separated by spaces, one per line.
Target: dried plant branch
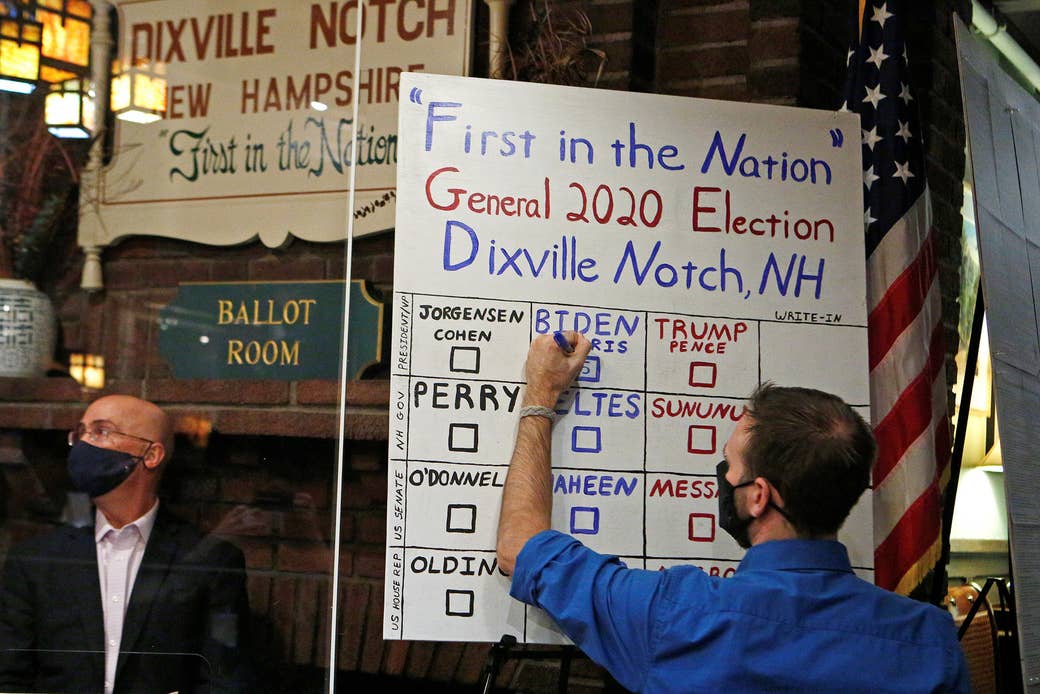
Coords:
pixel 36 174
pixel 554 49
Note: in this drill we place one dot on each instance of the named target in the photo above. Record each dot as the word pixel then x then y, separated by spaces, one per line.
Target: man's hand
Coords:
pixel 527 497
pixel 549 370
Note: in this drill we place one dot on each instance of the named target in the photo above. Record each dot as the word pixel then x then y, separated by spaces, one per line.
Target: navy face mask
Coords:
pixel 729 519
pixel 98 471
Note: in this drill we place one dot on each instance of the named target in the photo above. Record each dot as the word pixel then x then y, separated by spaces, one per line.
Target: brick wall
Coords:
pixel 267 477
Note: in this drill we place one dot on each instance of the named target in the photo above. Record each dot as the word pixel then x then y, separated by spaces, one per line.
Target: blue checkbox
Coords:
pixel 586 440
pixel 584 520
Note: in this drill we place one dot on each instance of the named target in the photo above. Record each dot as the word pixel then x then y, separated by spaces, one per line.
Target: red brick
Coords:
pixel 372 650
pixel 707 25
pixel 373 393
pixel 347 527
pixel 446 662
pixel 307 524
pixel 420 658
pixel 396 657
pixel 321 631
pixel 336 268
pixel 724 88
pixel 218 391
pixel 776 81
pixel 125 325
pixel 135 248
pixel 259 589
pixel 283 607
pixel 373 489
pixel 346 564
pixel 308 557
pixel 367 460
pixel 373 426
pixel 369 565
pixel 25 416
pixel 676 4
pixel 472 662
pixel 278 423
pixel 774 39
pixel 245 520
pixel 317 392
pixel 239 489
pixel 382 269
pixel 374 244
pixel 170 273
pixel 204 488
pixel 306 620
pixel 65 417
pixel 124 386
pixel 372 528
pixel 122 274
pixel 731 59
pixel 609 19
pixel 287 267
pixel 41 389
pixel 313 493
pixel 354 598
pixel 259 553
pixel 229 270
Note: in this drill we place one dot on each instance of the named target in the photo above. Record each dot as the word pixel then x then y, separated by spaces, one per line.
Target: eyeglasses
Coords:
pixel 100 432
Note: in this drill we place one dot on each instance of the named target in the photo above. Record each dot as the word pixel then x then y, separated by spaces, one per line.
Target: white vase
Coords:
pixel 26 329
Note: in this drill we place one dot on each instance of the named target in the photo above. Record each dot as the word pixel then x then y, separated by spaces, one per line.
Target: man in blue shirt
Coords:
pixel 793 618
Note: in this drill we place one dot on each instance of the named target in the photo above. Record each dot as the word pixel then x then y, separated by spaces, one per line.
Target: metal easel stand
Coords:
pixel 939 578
pixel 502 651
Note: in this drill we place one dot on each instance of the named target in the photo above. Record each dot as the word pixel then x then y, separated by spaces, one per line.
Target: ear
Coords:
pixel 154 456
pixel 758 497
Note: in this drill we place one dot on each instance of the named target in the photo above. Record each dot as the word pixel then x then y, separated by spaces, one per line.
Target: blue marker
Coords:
pixel 562 342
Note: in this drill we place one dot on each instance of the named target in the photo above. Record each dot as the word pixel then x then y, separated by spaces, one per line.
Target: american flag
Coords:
pixel 906 341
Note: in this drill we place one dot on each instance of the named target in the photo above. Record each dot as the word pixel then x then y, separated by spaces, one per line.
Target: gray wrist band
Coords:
pixel 538 411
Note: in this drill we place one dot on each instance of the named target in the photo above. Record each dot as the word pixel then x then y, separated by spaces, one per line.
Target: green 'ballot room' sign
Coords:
pixel 269 330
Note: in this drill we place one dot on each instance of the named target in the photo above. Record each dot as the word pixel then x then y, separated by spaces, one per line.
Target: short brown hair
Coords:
pixel 815 449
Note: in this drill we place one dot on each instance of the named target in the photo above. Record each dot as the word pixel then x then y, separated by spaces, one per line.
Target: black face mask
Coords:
pixel 729 519
pixel 98 471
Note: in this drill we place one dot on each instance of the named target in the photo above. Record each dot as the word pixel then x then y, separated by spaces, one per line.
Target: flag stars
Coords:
pixel 904 132
pixel 877 56
pixel 904 94
pixel 903 171
pixel 873 96
pixel 869 177
pixel 881 14
pixel 871 138
pixel 867 219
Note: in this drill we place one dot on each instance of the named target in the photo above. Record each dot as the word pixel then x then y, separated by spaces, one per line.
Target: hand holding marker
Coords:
pixel 563 343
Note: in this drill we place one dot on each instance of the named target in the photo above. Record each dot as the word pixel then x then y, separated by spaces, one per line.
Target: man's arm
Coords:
pixel 527 496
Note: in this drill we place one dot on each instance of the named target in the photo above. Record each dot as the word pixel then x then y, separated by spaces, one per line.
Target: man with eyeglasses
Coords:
pixel 141 602
pixel 793 618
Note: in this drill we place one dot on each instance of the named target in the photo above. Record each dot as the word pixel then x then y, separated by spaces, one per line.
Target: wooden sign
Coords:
pixel 256 139
pixel 285 331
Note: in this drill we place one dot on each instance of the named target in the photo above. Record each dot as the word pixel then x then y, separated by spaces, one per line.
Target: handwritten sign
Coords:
pixel 703 247
pixel 284 331
pixel 256 139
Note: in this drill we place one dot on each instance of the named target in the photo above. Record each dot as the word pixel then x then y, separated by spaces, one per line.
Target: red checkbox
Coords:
pixel 701 438
pixel 702 527
pixel 703 374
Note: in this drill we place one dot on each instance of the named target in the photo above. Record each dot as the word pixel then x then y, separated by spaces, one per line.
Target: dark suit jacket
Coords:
pixel 185 628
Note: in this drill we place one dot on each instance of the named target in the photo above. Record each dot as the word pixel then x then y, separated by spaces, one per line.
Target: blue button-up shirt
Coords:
pixel 793 618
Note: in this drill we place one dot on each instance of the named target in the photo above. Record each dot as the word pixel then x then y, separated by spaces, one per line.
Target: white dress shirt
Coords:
pixel 119 554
